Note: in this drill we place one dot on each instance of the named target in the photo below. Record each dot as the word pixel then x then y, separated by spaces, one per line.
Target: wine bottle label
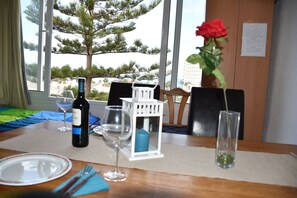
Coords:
pixel 76 117
pixel 76 130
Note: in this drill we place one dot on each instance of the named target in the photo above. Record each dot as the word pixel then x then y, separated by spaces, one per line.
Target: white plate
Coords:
pixel 32 168
pixel 97 130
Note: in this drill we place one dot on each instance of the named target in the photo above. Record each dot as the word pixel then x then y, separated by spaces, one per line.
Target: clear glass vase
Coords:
pixel 227 139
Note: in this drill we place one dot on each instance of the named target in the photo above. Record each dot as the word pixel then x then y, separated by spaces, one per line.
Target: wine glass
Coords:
pixel 116 131
pixel 64 100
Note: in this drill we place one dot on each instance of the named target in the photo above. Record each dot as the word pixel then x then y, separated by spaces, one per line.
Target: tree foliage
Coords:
pixel 31 69
pixel 32 12
pixel 30 46
pixel 131 70
pixel 100 26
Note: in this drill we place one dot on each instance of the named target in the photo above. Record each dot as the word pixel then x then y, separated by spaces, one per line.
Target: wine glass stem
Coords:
pixel 64 119
pixel 117 158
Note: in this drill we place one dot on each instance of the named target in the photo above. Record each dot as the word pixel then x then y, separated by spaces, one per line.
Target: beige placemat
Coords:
pixel 280 169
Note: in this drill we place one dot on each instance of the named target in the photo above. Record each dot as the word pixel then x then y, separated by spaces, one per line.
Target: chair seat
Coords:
pixel 175 129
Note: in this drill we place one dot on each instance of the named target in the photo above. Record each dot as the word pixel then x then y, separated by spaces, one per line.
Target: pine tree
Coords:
pixel 100 28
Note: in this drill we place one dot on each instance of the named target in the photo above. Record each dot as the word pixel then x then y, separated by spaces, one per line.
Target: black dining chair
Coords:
pixel 124 90
pixel 205 106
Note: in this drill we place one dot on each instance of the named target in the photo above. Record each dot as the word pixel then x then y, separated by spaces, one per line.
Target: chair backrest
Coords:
pixel 170 94
pixel 124 90
pixel 205 105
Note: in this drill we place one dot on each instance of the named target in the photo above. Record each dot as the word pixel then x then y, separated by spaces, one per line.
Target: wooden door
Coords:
pixel 244 72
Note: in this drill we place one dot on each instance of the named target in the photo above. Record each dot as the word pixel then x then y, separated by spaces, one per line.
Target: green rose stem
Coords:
pixel 229 139
pixel 228 155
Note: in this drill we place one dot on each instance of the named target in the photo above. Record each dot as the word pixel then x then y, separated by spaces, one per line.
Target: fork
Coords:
pixel 85 171
pixel 78 185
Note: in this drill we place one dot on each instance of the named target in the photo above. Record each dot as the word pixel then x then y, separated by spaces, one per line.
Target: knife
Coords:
pixel 78 185
pixel 69 184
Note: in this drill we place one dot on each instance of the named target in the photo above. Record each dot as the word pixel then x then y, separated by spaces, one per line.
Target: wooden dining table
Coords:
pixel 144 183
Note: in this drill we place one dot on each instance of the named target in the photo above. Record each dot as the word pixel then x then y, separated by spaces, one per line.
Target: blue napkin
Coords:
pixel 94 184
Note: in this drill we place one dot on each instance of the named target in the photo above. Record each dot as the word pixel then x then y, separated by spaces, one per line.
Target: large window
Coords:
pixel 50 68
pixel 123 50
pixel 33 36
pixel 185 16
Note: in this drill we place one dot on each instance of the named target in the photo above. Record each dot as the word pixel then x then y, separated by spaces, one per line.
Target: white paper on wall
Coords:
pixel 254 39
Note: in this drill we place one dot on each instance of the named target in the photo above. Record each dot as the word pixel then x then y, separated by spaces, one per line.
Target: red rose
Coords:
pixel 212 29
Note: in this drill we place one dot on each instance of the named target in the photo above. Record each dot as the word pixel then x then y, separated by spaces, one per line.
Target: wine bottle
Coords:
pixel 80 117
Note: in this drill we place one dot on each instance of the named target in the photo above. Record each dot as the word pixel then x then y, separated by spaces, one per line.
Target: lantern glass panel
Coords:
pixel 150 125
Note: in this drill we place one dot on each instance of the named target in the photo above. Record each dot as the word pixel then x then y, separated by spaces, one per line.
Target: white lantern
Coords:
pixel 147 117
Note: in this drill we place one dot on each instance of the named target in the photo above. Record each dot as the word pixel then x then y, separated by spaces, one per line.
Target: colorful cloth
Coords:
pixel 13 118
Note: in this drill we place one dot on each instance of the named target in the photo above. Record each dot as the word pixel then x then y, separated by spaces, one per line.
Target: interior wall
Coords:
pixel 281 109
